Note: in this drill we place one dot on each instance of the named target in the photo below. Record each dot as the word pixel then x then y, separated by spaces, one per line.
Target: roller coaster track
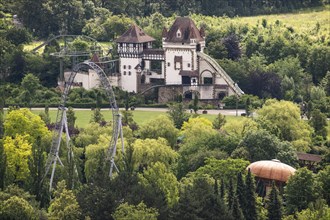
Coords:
pixel 221 72
pixel 53 156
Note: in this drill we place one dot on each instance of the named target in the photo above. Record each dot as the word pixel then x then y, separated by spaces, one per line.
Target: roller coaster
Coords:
pixel 61 119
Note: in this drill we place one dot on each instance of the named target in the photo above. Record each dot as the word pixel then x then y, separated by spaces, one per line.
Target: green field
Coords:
pixel 141 117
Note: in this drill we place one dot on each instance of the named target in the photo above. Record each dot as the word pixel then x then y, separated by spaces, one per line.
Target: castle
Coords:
pixel 179 68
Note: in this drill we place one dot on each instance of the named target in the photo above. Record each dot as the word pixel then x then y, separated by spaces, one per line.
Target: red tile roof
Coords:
pixel 134 35
pixel 188 31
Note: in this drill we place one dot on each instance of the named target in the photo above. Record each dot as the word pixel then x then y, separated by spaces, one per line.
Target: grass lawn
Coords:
pixel 141 117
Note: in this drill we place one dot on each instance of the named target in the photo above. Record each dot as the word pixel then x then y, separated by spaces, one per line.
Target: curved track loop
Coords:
pixel 56 140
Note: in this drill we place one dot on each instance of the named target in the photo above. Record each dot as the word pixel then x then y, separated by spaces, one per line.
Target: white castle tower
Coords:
pixel 130 50
pixel 181 44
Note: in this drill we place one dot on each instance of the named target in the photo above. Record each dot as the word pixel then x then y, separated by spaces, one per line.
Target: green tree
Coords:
pixel 261 145
pixel 64 205
pixel 30 84
pixel 2 165
pixel 274 205
pixel 177 113
pixel 149 151
pixel 18 151
pixel 282 118
pixel 319 122
pixel 161 126
pixel 36 166
pixel 160 177
pixel 300 190
pixel 97 116
pixel 16 208
pixel 24 122
pixel 223 169
pixel 71 117
pixel 236 210
pixel 198 200
pixel 195 106
pixel 251 207
pixel 97 202
pixel 241 193
pixel 219 121
pixel 140 211
pixel 127 120
pixel 323 179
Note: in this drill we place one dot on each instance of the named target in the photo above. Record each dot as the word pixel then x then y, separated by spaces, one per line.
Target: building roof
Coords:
pixel 188 31
pixel 309 157
pixel 272 170
pixel 134 35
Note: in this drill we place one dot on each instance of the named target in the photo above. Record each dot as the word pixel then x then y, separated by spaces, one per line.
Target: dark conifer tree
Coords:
pixel 222 189
pixel 216 188
pixel 274 206
pixel 240 193
pixel 251 211
pixel 236 210
pixel 2 153
pixel 231 194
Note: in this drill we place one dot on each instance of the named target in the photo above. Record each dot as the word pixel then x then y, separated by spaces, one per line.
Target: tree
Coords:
pixel 140 211
pixel 159 176
pixel 261 145
pixel 18 151
pixel 64 205
pixel 300 190
pixel 96 202
pixel 231 42
pixel 282 118
pixel 3 163
pixel 149 151
pixel 195 104
pixel 241 193
pixel 177 113
pixel 16 208
pixel 71 118
pixel 319 122
pixel 36 166
pixel 24 122
pixel 323 179
pixel 97 116
pixel 161 126
pixel 251 207
pixel 219 121
pixel 240 128
pixel 222 169
pixel 30 84
pixel 236 210
pixel 127 120
pixel 18 36
pixel 274 206
pixel 198 200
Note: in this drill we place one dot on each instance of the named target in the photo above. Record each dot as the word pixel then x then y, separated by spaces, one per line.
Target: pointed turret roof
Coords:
pixel 134 35
pixel 188 31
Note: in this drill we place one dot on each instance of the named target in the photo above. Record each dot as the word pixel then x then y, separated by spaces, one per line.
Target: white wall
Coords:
pixel 128 74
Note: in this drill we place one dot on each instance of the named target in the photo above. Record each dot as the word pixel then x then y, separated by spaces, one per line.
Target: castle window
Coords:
pixel 124 72
pixel 178 34
pixel 168 64
pixel 129 67
pixel 188 64
pixel 178 62
pixel 129 73
pixel 124 67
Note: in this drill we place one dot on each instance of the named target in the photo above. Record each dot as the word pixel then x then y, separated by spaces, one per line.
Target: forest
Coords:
pixel 178 165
